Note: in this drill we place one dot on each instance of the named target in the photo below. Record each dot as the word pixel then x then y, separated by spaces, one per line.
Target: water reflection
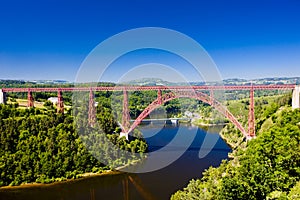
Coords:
pixel 116 186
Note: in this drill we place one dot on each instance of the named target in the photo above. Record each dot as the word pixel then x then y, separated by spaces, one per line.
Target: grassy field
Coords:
pixel 37 104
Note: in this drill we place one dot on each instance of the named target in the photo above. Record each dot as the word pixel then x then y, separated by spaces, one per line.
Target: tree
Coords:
pixel 268 168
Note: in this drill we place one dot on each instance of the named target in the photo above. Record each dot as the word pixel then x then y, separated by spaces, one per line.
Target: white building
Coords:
pixel 53 100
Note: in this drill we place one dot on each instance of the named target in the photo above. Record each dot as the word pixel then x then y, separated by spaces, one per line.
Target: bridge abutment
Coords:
pixel 296 97
pixel 2 97
pixel 124 134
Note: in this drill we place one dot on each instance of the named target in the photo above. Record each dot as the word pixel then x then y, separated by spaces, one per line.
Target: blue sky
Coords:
pixel 49 39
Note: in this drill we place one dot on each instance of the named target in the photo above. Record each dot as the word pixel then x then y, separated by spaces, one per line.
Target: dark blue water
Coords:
pixel 160 184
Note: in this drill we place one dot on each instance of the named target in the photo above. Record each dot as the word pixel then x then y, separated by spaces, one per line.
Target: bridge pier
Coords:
pixel 60 102
pixel 2 97
pixel 92 110
pixel 251 117
pixel 30 99
pixel 159 97
pixel 296 97
pixel 125 113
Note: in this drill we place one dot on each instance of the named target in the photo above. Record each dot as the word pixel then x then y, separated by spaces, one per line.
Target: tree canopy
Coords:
pixel 268 168
pixel 43 146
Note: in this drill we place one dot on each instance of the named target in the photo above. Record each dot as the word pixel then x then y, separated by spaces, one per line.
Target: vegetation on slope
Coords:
pixel 267 168
pixel 265 107
pixel 43 146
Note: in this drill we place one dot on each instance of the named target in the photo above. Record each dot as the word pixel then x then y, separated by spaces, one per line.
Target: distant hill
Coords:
pixel 232 81
pixel 149 82
pixel 158 81
pixel 265 81
pixel 5 83
pixel 50 81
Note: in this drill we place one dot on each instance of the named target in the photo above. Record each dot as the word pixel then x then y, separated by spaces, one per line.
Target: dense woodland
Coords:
pixel 267 167
pixel 39 145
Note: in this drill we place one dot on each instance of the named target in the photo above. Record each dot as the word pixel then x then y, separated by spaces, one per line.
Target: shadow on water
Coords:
pixel 111 186
pixel 160 184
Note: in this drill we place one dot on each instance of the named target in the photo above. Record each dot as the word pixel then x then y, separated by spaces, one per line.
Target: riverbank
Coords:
pixel 80 177
pixel 200 122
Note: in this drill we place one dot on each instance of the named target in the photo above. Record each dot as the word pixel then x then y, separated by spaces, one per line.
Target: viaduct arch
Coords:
pixel 161 99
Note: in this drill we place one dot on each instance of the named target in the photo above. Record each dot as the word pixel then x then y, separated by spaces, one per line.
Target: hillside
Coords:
pixel 42 146
pixel 267 167
pixel 231 81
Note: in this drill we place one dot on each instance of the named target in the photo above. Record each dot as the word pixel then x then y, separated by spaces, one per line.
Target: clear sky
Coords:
pixel 49 39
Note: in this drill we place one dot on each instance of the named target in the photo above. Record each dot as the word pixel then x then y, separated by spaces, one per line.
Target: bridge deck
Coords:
pixel 144 88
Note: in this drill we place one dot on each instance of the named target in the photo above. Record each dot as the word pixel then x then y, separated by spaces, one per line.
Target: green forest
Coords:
pixel 267 167
pixel 39 145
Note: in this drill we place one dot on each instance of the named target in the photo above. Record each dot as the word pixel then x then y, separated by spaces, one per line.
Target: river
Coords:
pixel 159 184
